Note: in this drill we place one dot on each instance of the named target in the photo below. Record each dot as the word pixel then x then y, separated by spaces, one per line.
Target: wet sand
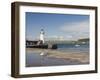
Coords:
pixel 72 56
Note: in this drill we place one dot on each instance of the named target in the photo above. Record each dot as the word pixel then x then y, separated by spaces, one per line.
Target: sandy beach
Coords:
pixel 72 56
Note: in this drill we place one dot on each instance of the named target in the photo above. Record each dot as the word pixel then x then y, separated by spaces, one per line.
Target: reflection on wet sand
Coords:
pixel 48 57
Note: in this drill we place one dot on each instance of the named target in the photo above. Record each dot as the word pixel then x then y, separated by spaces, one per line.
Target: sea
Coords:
pixel 34 59
pixel 73 47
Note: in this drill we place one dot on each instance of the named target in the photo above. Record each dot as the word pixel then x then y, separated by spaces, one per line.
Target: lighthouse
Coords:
pixel 42 35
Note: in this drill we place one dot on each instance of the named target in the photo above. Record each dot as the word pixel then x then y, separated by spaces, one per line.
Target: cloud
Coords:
pixel 81 26
pixel 78 29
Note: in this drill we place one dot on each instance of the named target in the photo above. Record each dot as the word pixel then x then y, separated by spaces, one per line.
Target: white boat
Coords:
pixel 83 42
pixel 77 45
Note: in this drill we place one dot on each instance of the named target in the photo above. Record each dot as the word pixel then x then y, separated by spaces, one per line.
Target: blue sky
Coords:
pixel 67 26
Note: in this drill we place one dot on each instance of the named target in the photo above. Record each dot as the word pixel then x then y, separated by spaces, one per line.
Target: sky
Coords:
pixel 65 26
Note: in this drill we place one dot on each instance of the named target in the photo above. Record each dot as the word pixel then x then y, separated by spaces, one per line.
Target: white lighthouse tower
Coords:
pixel 42 35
